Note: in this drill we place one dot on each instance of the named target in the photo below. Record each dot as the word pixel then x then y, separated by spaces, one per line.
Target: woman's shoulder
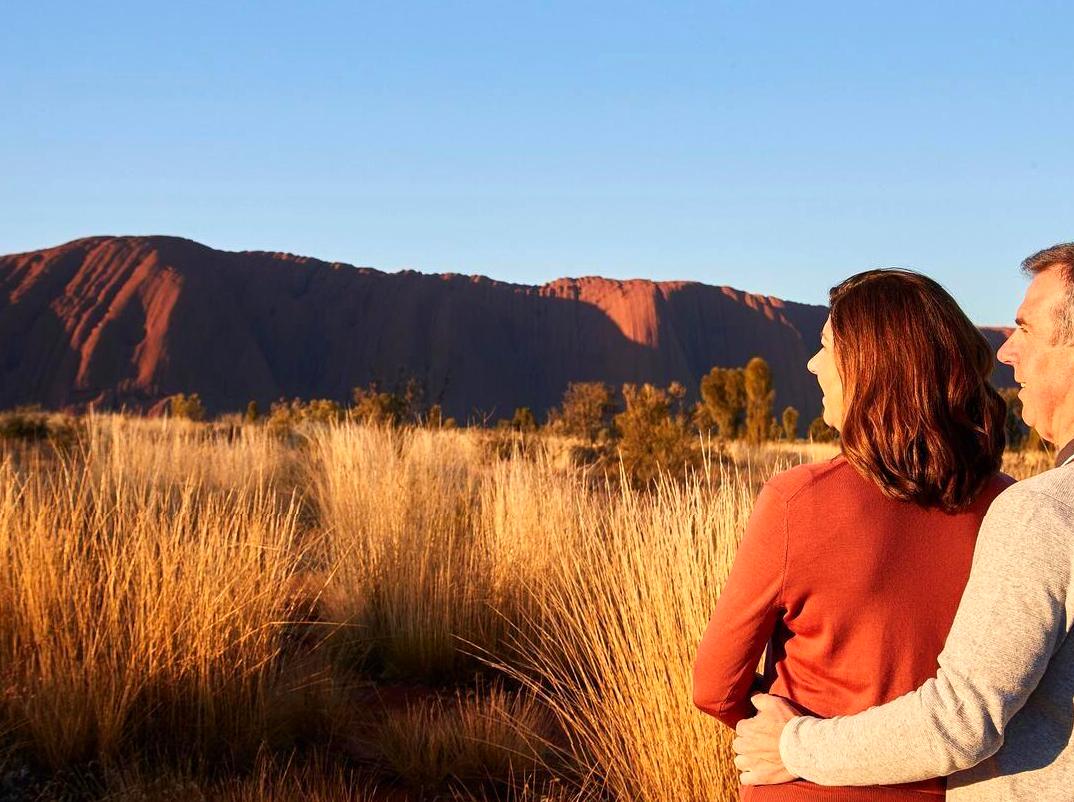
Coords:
pixel 809 477
pixel 1000 482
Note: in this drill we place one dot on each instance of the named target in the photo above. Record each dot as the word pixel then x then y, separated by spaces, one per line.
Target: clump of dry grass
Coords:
pixel 272 780
pixel 396 507
pixel 1025 463
pixel 169 451
pixel 135 616
pixel 620 621
pixel 483 735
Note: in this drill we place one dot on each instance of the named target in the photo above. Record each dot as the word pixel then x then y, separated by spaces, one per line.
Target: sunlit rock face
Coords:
pixel 127 321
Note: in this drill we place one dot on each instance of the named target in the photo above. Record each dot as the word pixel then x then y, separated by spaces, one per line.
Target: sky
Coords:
pixel 776 147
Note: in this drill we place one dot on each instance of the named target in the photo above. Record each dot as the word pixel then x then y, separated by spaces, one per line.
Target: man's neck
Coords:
pixel 1065 446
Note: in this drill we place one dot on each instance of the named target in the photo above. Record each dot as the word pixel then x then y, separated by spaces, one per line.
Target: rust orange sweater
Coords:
pixel 854 594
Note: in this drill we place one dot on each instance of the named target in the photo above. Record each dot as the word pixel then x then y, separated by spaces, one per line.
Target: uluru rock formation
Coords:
pixel 127 321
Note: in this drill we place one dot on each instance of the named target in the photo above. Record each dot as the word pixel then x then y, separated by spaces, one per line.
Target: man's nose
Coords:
pixel 1006 352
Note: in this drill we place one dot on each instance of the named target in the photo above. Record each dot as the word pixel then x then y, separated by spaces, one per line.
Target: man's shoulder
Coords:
pixel 1047 498
pixel 1052 486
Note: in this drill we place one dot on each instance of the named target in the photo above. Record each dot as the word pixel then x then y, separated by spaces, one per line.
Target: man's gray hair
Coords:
pixel 1061 257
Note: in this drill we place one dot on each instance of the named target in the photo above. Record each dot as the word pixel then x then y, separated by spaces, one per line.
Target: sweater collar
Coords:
pixel 1066 453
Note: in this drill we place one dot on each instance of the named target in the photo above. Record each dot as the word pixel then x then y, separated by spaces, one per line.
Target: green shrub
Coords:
pixel 585 411
pixel 654 438
pixel 284 415
pixel 32 424
pixel 757 379
pixel 24 423
pixel 790 423
pixel 186 406
pixel 821 432
pixel 523 420
pixel 723 401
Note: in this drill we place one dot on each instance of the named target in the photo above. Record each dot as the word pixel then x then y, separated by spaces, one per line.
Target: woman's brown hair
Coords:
pixel 921 418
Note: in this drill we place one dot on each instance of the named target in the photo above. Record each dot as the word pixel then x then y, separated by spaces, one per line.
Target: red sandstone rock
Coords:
pixel 130 320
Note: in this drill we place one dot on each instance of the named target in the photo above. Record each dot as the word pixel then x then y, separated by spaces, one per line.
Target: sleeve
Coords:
pixel 1011 620
pixel 745 614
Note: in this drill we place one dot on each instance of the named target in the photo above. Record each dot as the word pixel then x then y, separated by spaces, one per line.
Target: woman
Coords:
pixel 850 570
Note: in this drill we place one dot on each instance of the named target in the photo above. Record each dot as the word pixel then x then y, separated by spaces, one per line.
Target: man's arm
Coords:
pixel 1012 618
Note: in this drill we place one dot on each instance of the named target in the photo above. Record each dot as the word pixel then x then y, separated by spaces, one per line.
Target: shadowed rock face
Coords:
pixel 130 320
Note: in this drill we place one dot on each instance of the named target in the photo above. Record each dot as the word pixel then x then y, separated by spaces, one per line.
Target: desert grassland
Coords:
pixel 190 611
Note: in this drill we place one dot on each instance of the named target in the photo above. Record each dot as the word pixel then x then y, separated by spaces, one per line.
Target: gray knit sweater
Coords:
pixel 998 716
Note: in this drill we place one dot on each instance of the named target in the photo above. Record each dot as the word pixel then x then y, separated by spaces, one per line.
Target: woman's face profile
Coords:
pixel 823 366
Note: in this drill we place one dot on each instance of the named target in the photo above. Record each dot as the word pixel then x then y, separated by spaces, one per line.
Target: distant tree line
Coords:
pixel 644 423
pixel 650 429
pixel 404 406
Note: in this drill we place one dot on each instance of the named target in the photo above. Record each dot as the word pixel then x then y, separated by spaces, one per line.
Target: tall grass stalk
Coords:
pixel 619 623
pixel 136 616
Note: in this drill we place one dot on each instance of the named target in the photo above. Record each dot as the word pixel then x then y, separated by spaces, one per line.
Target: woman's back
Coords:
pixel 871 588
pixel 857 592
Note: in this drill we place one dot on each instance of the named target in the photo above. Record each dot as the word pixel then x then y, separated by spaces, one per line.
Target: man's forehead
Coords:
pixel 1045 290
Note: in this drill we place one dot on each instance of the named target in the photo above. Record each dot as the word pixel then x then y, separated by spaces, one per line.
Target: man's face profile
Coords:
pixel 1043 364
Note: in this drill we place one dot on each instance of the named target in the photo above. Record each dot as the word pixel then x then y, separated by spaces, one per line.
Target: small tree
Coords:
pixel 186 406
pixel 759 397
pixel 252 413
pixel 523 420
pixel 821 432
pixel 652 438
pixel 434 418
pixel 723 401
pixel 790 423
pixel 376 407
pixel 413 400
pixel 322 410
pixel 585 410
pixel 286 415
pixel 775 429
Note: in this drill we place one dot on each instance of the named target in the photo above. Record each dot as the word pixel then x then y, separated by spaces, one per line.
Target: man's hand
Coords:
pixel 757 742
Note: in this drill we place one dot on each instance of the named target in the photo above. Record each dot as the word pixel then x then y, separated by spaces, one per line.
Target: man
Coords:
pixel 999 714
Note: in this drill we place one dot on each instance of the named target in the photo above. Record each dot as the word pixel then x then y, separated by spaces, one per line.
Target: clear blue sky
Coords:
pixel 773 146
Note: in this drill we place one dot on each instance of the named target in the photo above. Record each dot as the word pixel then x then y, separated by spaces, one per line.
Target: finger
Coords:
pixel 744 763
pixel 763 701
pixel 747 727
pixel 744 745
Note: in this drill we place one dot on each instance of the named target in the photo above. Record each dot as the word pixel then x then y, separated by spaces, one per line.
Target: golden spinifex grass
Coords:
pixel 172 451
pixel 403 580
pixel 271 780
pixel 431 544
pixel 150 580
pixel 137 613
pixel 595 598
pixel 621 611
pixel 485 734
